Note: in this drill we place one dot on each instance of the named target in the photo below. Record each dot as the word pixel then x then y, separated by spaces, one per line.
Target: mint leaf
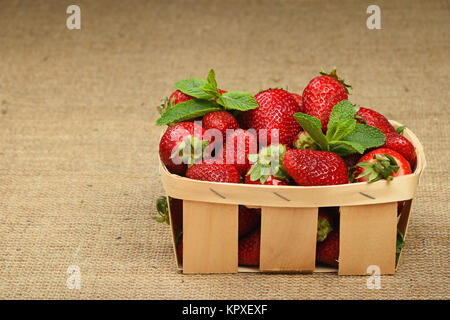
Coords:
pixel 237 100
pixel 211 86
pixel 193 87
pixel 366 136
pixel 342 120
pixel 187 110
pixel 212 79
pixel 209 89
pixel 313 127
pixel 345 148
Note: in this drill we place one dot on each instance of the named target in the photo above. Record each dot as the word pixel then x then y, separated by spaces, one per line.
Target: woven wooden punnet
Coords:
pixel 368 222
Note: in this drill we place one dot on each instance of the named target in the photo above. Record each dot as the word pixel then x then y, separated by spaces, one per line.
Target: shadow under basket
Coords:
pixel 368 222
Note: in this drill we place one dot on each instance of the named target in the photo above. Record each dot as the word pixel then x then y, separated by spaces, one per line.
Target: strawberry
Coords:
pixel 299 100
pixel 271 180
pixel 374 119
pixel 267 167
pixel 175 98
pixel 313 168
pixel 213 171
pixel 275 111
pixel 239 144
pixel 249 219
pixel 322 94
pixel 248 251
pixel 380 164
pixel 352 159
pixel 178 96
pixel 220 120
pixel 179 146
pixel 327 252
pixel 324 224
pixel 402 145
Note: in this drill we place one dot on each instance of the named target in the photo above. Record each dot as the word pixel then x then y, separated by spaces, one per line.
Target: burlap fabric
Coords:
pixel 78 145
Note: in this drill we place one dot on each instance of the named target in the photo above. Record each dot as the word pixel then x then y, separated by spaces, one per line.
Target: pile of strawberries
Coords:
pixel 278 137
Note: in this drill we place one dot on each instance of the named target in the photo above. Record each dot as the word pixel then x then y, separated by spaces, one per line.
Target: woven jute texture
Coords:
pixel 78 144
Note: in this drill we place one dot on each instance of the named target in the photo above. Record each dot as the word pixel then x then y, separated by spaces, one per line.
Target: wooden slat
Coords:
pixel 367 237
pixel 288 239
pixel 210 237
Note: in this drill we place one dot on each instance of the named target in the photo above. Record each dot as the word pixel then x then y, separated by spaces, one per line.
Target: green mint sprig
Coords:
pixel 344 135
pixel 208 98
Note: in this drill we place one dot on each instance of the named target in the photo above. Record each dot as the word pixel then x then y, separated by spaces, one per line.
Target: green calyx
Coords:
pixel 344 135
pixel 323 229
pixel 333 74
pixel 165 105
pixel 305 142
pixel 269 161
pixel 162 208
pixel 207 99
pixel 383 168
pixel 400 130
pixel 190 150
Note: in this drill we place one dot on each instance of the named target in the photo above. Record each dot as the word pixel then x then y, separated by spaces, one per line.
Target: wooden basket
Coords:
pixel 368 222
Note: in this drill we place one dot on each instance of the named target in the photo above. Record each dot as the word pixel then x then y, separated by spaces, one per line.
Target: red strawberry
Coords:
pixel 213 171
pixel 352 159
pixel 375 119
pixel 249 219
pixel 324 224
pixel 248 251
pixel 238 146
pixel 220 120
pixel 322 94
pixel 299 100
pixel 275 112
pixel 380 164
pixel 402 145
pixel 178 96
pixel 172 146
pixel 327 252
pixel 271 180
pixel 314 168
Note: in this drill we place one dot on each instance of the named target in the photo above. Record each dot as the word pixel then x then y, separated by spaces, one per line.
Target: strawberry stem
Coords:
pixel 383 168
pixel 333 74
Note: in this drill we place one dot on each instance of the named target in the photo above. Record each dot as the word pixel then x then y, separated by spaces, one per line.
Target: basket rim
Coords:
pixel 403 187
